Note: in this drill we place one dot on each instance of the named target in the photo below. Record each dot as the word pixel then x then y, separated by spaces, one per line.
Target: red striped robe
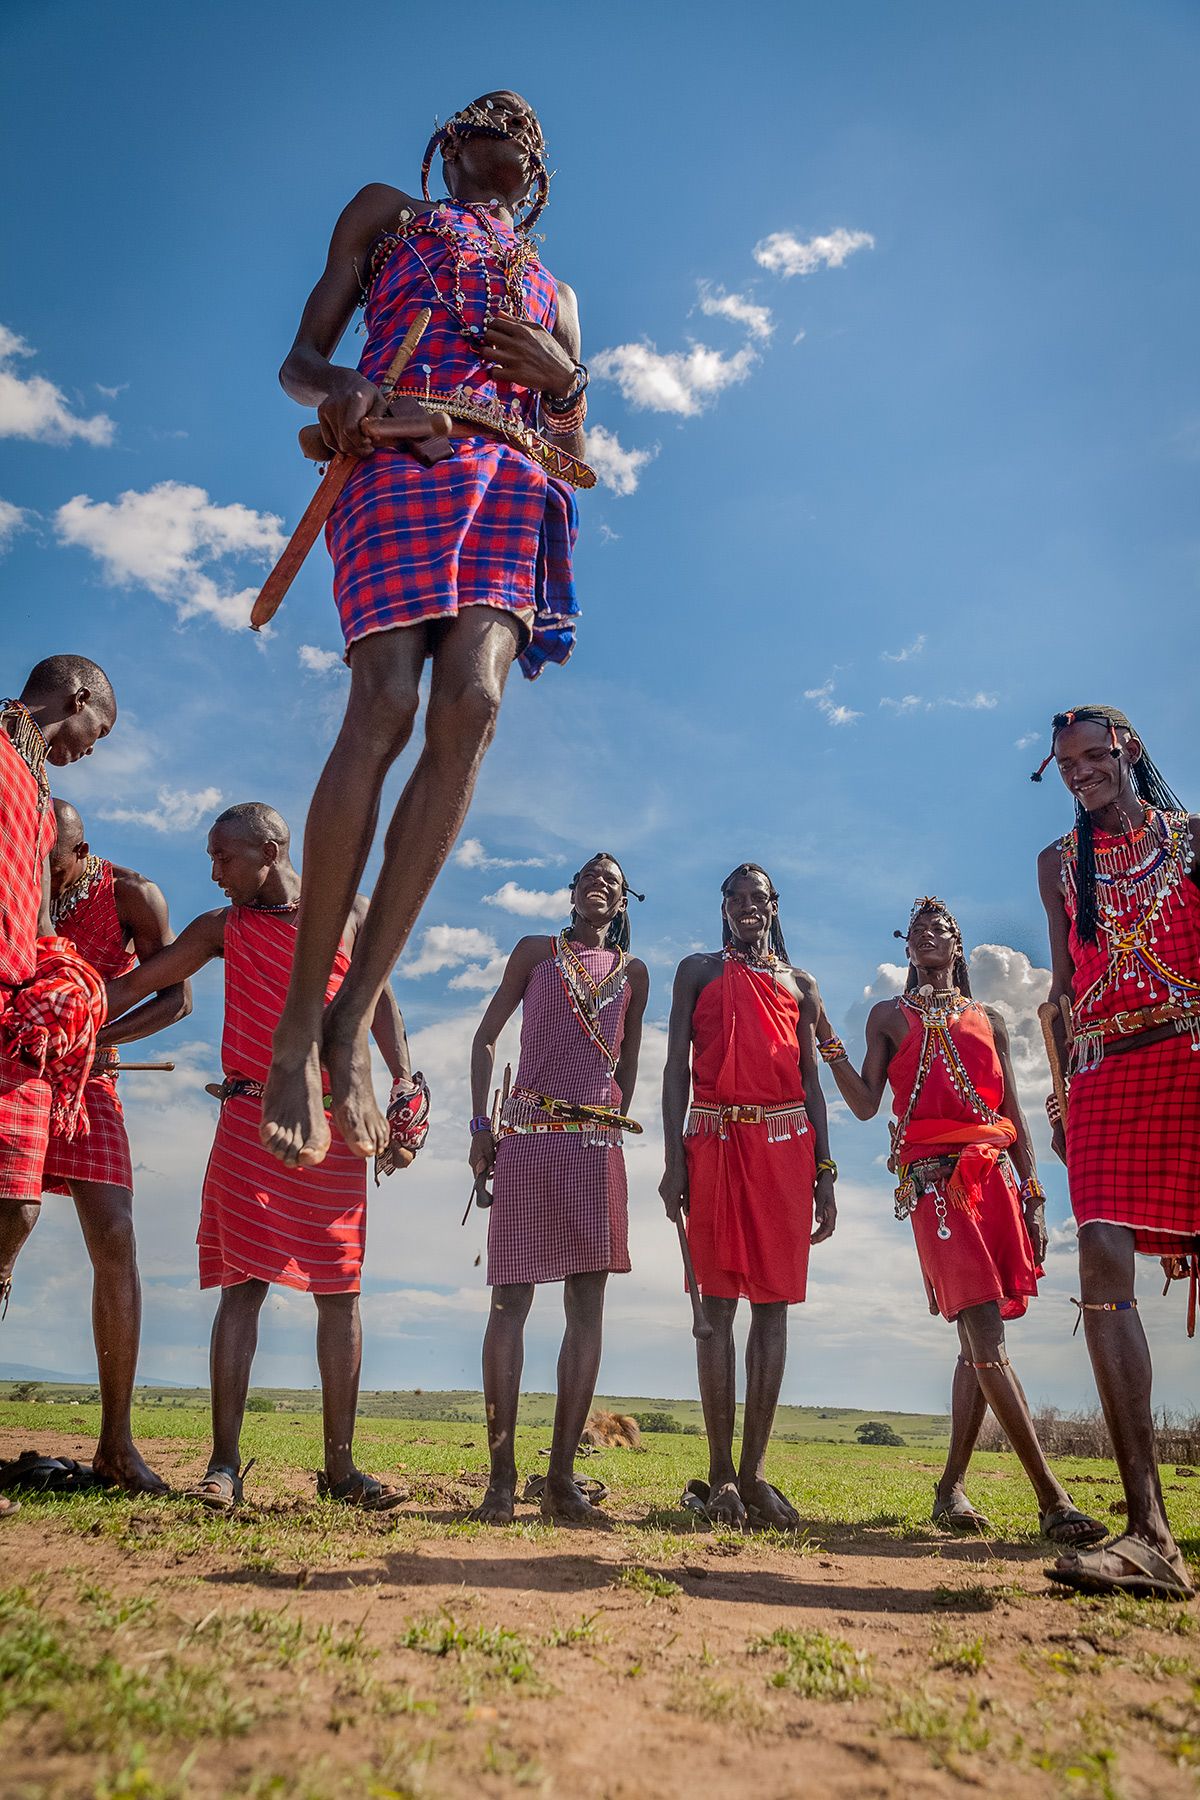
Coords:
pixel 304 1228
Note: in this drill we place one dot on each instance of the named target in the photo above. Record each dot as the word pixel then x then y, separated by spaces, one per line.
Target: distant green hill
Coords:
pixel 795 1424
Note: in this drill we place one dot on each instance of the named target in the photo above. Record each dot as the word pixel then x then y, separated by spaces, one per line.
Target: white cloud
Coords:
pixel 977 702
pixel 110 393
pixel 1027 740
pixel 12 520
pixel 32 407
pixel 911 703
pixel 908 652
pixel 675 381
pixel 177 810
pixel 822 698
pixel 716 303
pixel 320 662
pixel 480 977
pixel 618 468
pixel 472 855
pixel 787 255
pixel 448 947
pixel 530 903
pixel 163 538
pixel 906 704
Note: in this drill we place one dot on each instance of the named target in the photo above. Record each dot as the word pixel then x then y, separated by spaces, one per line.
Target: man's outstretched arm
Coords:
pixel 196 945
pixel 142 910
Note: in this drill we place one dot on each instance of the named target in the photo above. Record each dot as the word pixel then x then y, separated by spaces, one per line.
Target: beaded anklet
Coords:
pixel 1110 1306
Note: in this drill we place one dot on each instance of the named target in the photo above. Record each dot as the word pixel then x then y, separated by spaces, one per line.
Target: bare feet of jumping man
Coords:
pixel 294 1126
pixel 346 1053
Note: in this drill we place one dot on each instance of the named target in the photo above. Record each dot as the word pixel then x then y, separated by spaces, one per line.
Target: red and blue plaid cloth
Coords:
pixel 486 527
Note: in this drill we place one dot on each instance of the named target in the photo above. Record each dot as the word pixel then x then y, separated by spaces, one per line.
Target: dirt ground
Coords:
pixel 149 1650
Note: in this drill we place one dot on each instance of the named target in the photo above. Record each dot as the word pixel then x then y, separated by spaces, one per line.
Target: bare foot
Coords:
pixel 346 1053
pixel 498 1504
pixel 293 1125
pixel 725 1505
pixel 126 1469
pixel 766 1506
pixel 563 1504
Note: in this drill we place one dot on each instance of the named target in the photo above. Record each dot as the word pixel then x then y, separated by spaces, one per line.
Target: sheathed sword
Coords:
pixel 1049 1016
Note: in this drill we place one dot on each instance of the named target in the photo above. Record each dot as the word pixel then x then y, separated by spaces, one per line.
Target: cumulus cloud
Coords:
pixel 448 947
pixel 681 382
pixel 12 520
pixel 716 303
pixel 472 855
pixel 908 652
pixel 911 703
pixel 785 254
pixel 822 698
pixel 32 407
pixel 177 810
pixel 530 903
pixel 1027 740
pixel 617 467
pixel 164 539
pixel 320 662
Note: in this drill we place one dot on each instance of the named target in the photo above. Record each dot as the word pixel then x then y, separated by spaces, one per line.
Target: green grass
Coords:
pixel 817 1666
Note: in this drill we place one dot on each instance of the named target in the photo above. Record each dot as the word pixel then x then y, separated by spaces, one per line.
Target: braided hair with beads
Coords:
pixel 477 120
pixel 617 937
pixel 929 903
pixel 1148 785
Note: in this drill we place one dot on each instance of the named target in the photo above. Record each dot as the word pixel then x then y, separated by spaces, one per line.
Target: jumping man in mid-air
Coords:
pixel 465 559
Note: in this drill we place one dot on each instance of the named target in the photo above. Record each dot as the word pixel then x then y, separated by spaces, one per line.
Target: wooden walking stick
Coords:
pixel 701 1328
pixel 1048 1016
pixel 323 501
pixel 122 1068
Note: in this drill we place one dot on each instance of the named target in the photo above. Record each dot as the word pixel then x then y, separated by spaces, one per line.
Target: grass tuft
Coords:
pixel 818 1666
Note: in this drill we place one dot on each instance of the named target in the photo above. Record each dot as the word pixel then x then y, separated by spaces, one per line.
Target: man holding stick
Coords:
pixel 1124 913
pixel 115 918
pixel 560 1209
pixel 456 550
pixel 259 1223
pixel 748 1165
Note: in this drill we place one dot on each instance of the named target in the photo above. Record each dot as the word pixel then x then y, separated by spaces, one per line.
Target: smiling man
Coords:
pixel 259 1222
pixel 1124 913
pixel 66 706
pixel 748 1164
pixel 560 1205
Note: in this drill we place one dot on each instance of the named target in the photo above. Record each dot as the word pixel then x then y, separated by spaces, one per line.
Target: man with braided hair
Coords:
pixel 749 1165
pixel 960 1144
pixel 459 551
pixel 115 918
pixel 1124 913
pixel 559 1210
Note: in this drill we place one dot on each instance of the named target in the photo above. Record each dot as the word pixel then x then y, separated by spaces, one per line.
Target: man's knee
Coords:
pixel 583 1298
pixel 245 1296
pixel 720 1313
pixel 17 1220
pixel 335 1306
pixel 462 722
pixel 512 1302
pixel 1106 1265
pixel 982 1332
pixel 384 697
pixel 107 1221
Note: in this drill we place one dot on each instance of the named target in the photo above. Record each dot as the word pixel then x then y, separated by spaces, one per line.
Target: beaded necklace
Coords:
pixel 284 906
pixel 513 260
pixel 749 958
pixel 29 741
pixel 586 997
pixel 1138 881
pixel 937 1012
pixel 63 904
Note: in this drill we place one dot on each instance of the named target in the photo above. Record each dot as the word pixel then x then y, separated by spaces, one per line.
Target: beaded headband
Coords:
pixel 1096 715
pixel 929 903
pixel 474 121
pixel 604 856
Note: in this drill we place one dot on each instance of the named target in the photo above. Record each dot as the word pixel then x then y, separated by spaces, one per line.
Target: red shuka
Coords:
pixel 27 833
pixel 751 1198
pixel 988 1255
pixel 304 1228
pixel 87 915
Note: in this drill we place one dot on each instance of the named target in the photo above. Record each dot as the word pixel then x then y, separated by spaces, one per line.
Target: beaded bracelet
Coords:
pixel 556 404
pixel 562 424
pixel 1032 1192
pixel 827 1166
pixel 481 1122
pixel 832 1050
pixel 1053 1109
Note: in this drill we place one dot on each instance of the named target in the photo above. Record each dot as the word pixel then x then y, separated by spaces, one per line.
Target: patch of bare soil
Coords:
pixel 299 1650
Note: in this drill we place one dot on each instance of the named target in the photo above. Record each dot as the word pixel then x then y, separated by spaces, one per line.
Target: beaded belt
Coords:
pixel 1090 1042
pixel 241 1087
pixel 782 1121
pixel 508 423
pixel 524 1116
pixel 106 1064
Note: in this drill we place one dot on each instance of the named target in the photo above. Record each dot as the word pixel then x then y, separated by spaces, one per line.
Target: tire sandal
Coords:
pixel 1073 1529
pixel 33 1473
pixel 697 1497
pixel 1148 1575
pixel 960 1516
pixel 362 1492
pixel 220 1490
pixel 757 1519
pixel 589 1489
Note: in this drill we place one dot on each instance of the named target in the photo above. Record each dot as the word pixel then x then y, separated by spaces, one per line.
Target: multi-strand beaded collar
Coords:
pixel 29 741
pixel 1138 881
pixel 283 906
pixel 588 998
pixel 937 1012
pixel 765 961
pixel 63 904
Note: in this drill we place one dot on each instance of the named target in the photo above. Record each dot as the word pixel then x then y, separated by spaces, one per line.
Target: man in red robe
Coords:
pixel 1121 897
pixel 748 1165
pixel 958 1127
pixel 260 1222
pixel 66 706
pixel 115 918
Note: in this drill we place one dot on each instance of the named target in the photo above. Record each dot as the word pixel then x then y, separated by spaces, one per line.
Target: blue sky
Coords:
pixel 890 309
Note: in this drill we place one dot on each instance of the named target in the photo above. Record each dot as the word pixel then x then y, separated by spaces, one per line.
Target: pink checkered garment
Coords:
pixel 561 1203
